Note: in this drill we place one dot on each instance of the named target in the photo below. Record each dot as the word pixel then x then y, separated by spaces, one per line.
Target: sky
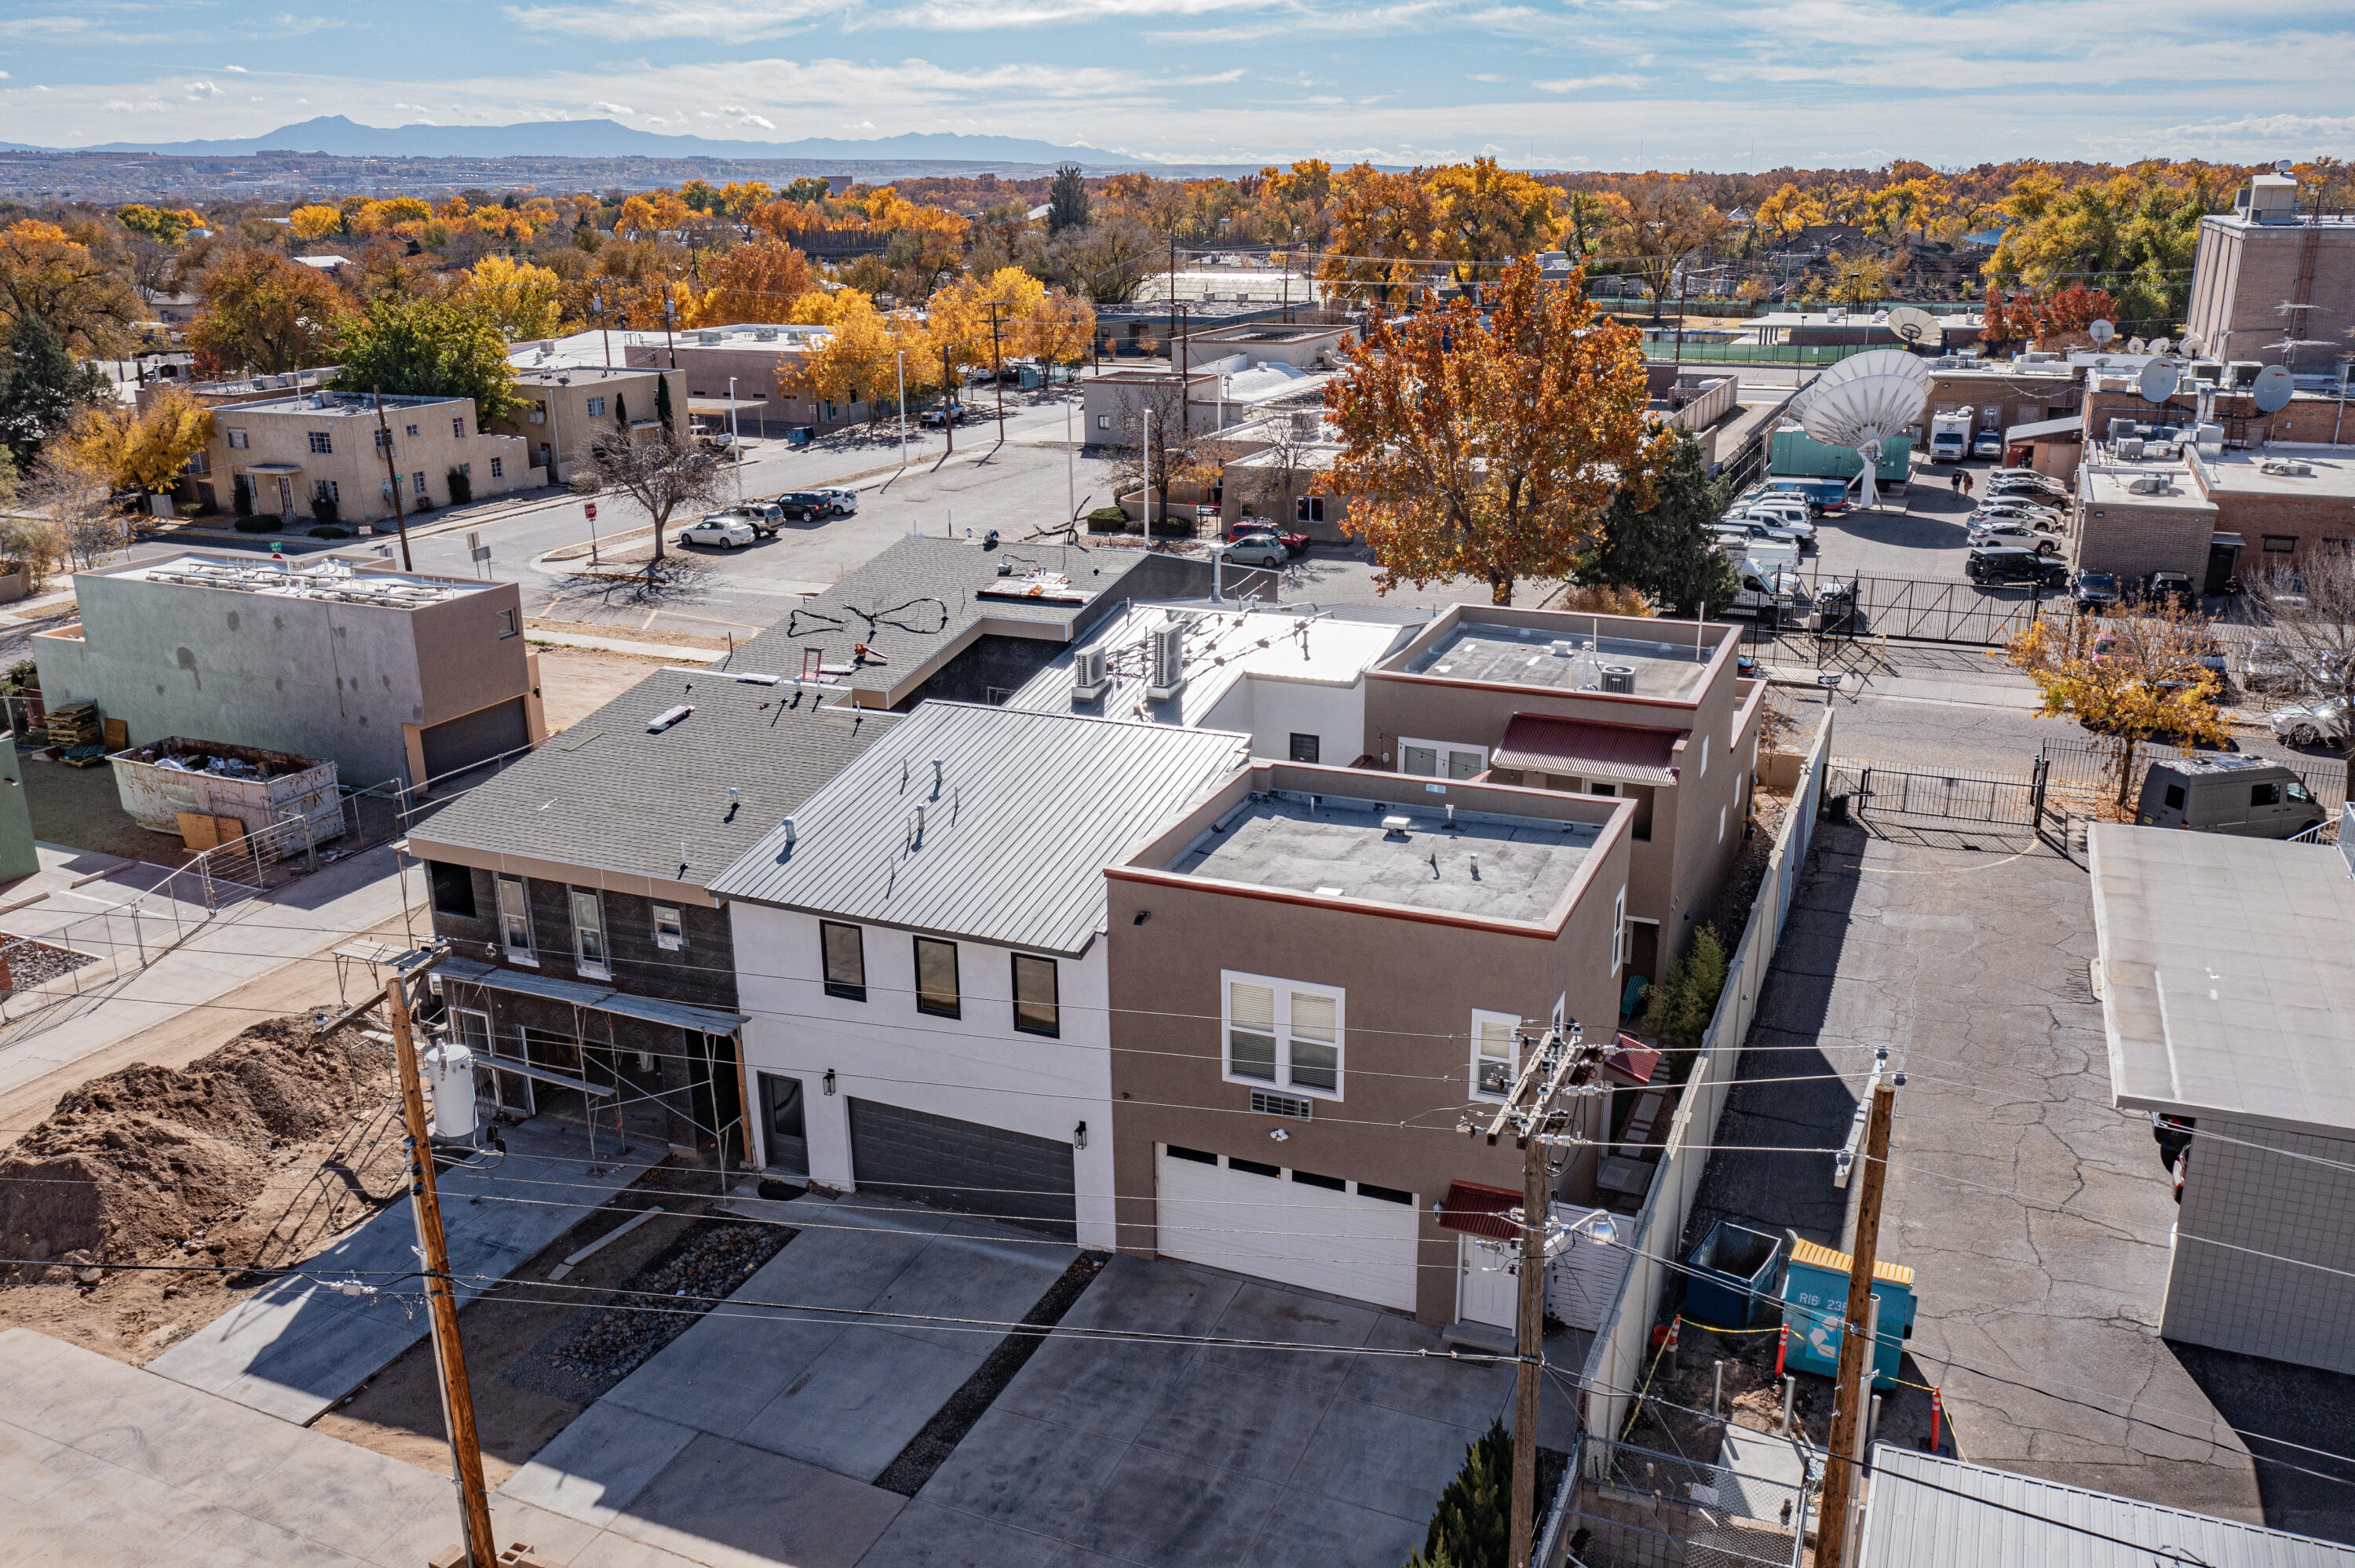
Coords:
pixel 1557 84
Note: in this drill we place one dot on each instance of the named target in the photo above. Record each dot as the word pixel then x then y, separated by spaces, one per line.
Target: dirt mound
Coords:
pixel 138 1162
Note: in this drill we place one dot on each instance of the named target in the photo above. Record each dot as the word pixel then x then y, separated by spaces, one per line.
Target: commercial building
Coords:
pixel 339 455
pixel 1302 345
pixel 562 409
pixel 2214 512
pixel 921 955
pixel 762 360
pixel 1837 328
pixel 2271 273
pixel 390 676
pixel 2229 1006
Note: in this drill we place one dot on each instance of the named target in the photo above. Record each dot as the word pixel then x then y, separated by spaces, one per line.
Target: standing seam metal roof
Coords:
pixel 1030 809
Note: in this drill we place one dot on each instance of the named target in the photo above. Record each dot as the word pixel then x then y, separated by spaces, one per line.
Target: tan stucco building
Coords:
pixel 563 408
pixel 285 455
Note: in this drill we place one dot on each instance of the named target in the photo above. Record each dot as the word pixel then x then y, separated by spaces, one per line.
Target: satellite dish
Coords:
pixel 1862 401
pixel 2271 389
pixel 2159 346
pixel 2158 382
pixel 2101 332
pixel 2194 344
pixel 2135 345
pixel 1913 325
pixel 2283 166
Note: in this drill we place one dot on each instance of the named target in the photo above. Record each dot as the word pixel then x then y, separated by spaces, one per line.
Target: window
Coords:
pixel 1619 930
pixel 1282 1034
pixel 2265 794
pixel 323 441
pixel 1305 746
pixel 1330 1184
pixel 596 408
pixel 2280 544
pixel 411 430
pixel 1387 1194
pixel 670 934
pixel 1495 1058
pixel 1198 1156
pixel 515 921
pixel 844 951
pixel 466 468
pixel 453 889
pixel 1103 421
pixel 498 468
pixel 325 490
pixel 936 978
pixel 2175 796
pixel 197 462
pixel 507 623
pixel 458 427
pixel 1605 790
pixel 237 441
pixel 589 955
pixel 1439 759
pixel 1256 1168
pixel 1310 509
pixel 1037 1009
pixel 2299 792
pixel 417 481
pixel 383 442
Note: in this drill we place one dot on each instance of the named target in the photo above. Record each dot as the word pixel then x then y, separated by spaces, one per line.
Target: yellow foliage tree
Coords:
pixel 1381 233
pixel 2129 679
pixel 824 307
pixel 1061 331
pixel 654 212
pixel 753 282
pixel 860 362
pixel 147 451
pixel 1487 215
pixel 316 222
pixel 960 315
pixel 45 271
pixel 525 301
pixel 380 216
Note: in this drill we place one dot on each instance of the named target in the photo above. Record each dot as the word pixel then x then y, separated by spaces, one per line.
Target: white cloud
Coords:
pixel 602 107
pixel 239 69
pixel 203 90
pixel 859 126
pixel 1487 76
pixel 1581 83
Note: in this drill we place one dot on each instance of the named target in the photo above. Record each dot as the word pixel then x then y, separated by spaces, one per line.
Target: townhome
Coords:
pixel 562 409
pixel 338 456
pixel 922 958
pixel 1318 977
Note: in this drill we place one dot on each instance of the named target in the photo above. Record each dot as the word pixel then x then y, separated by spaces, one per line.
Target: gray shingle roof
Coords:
pixel 1028 811
pixel 607 794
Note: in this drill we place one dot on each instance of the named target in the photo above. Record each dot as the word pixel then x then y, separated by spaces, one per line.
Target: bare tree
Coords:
pixel 2309 610
pixel 1161 449
pixel 659 471
pixel 83 522
pixel 1280 470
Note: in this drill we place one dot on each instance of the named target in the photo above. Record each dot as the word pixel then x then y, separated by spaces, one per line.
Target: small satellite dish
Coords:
pixel 2158 382
pixel 1913 325
pixel 2271 389
pixel 2194 344
pixel 2283 166
pixel 2159 346
pixel 2101 332
pixel 2137 345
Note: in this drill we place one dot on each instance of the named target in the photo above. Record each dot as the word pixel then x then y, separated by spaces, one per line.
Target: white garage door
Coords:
pixel 1297 1227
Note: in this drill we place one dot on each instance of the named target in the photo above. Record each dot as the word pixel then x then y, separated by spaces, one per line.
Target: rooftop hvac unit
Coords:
pixel 2146 484
pixel 1089 677
pixel 2289 468
pixel 709 335
pixel 1168 660
pixel 764 334
pixel 2120 429
pixel 1619 678
pixel 2130 448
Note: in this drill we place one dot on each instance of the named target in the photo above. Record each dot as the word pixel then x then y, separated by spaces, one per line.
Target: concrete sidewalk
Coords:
pixel 296 1348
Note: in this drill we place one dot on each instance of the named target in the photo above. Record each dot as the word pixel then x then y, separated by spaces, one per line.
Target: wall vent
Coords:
pixel 1266 1104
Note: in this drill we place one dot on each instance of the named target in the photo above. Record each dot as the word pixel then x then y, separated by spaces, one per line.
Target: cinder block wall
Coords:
pixel 2255 1215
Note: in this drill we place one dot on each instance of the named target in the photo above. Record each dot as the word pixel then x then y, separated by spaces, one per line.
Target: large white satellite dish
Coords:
pixel 2271 389
pixel 2159 346
pixel 1913 325
pixel 1862 401
pixel 2194 344
pixel 2158 382
pixel 2101 332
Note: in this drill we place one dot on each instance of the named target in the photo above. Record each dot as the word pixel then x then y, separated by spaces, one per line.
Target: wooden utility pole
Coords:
pixel 440 1294
pixel 997 372
pixel 1842 1458
pixel 1561 1061
pixel 392 473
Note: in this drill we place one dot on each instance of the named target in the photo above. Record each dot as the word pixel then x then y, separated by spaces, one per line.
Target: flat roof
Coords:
pixel 1561 656
pixel 332 579
pixel 2225 980
pixel 334 404
pixel 1924 1510
pixel 2272 470
pixel 1489 865
pixel 1019 820
pixel 555 374
pixel 2110 485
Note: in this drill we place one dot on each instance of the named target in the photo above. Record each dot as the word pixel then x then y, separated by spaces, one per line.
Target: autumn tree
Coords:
pixel 259 311
pixel 1059 330
pixel 315 221
pixel 522 300
pixel 2129 679
pixel 859 362
pixel 1788 213
pixel 143 449
pixel 1381 235
pixel 1667 224
pixel 1655 537
pixel 1485 215
pixel 1488 449
pixel 754 282
pixel 429 347
pixel 2133 233
pixel 165 226
pixel 46 273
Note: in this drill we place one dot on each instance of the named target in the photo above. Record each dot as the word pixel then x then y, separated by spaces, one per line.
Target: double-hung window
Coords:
pixel 1495 1053
pixel 844 951
pixel 1279 1031
pixel 670 932
pixel 589 955
pixel 936 978
pixel 323 442
pixel 515 921
pixel 1037 1000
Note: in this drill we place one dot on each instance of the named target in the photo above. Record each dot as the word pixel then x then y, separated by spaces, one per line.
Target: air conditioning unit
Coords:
pixel 2130 448
pixel 1263 1103
pixel 1168 656
pixel 1619 678
pixel 2120 429
pixel 2288 467
pixel 1089 679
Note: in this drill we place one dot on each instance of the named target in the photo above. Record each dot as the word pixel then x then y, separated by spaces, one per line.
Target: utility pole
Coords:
pixel 597 307
pixel 1185 363
pixel 670 313
pixel 1173 282
pixel 441 1297
pixel 392 475
pixel 952 404
pixel 1560 1063
pixel 1844 1458
pixel 997 372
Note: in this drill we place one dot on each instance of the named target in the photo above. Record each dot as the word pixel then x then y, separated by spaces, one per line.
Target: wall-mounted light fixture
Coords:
pixel 828 1080
pixel 1080 1136
pixel 1281 1135
pixel 1142 916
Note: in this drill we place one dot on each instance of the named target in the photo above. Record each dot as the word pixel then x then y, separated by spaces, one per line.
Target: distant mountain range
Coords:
pixel 340 137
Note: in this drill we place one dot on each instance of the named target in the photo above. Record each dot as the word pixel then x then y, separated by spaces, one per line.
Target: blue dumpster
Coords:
pixel 1733 1276
pixel 1815 1295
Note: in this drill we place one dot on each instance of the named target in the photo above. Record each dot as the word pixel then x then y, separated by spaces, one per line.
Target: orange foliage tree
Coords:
pixel 754 282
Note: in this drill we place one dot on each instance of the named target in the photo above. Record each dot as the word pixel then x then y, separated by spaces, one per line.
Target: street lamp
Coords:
pixel 735 445
pixel 1144 468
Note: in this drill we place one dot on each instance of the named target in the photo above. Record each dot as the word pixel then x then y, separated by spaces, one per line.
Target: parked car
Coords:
pixel 721 529
pixel 2094 592
pixel 1256 550
pixel 1822 496
pixel 941 418
pixel 2006 531
pixel 1791 517
pixel 845 500
pixel 2169 588
pixel 2247 796
pixel 817 504
pixel 1757 528
pixel 1992 566
pixel 2311 724
pixel 2027 511
pixel 1248 527
pixel 765 516
pixel 2029 477
pixel 1988 444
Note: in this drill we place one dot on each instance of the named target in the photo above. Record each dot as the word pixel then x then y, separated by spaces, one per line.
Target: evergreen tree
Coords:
pixel 620 413
pixel 1473 1525
pixel 42 387
pixel 1665 551
pixel 662 403
pixel 1067 200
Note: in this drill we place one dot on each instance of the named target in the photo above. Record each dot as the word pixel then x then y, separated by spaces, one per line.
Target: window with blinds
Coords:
pixel 1282 1034
pixel 1495 1053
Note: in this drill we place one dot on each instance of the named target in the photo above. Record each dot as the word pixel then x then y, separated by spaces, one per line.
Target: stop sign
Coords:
pixel 590 508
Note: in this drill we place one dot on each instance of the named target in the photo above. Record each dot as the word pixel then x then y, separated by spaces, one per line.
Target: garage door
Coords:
pixel 963 1165
pixel 473 738
pixel 1297 1227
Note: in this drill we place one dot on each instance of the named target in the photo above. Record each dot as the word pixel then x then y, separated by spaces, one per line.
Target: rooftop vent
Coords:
pixel 1090 676
pixel 2130 448
pixel 764 334
pixel 709 335
pixel 1396 827
pixel 2146 484
pixel 668 717
pixel 2289 468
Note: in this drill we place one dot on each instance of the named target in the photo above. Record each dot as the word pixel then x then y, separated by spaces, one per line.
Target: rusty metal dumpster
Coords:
pixel 162 782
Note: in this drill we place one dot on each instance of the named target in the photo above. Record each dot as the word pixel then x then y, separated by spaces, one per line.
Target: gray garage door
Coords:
pixel 963 1165
pixel 473 738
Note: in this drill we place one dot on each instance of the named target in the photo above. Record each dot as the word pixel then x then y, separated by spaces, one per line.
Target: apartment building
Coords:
pixel 765 364
pixel 288 455
pixel 563 408
pixel 921 957
pixel 2270 272
pixel 1319 976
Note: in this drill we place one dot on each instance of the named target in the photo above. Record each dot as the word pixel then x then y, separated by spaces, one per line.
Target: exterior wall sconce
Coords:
pixel 1080 1136
pixel 828 1080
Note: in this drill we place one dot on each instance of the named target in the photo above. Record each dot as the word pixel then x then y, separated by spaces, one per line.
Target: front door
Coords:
pixel 2222 560
pixel 1488 1282
pixel 784 1139
pixel 285 498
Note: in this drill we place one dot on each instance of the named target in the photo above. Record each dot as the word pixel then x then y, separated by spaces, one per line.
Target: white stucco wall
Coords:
pixel 1273 709
pixel 975 1068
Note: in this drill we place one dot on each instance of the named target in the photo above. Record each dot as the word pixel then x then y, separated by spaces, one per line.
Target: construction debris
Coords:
pixel 75 726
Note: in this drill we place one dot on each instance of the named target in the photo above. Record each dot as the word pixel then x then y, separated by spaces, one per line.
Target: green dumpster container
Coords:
pixel 1814 1295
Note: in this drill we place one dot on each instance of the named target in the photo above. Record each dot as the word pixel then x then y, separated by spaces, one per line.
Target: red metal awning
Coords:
pixel 1583 748
pixel 1631 1061
pixel 1481 1210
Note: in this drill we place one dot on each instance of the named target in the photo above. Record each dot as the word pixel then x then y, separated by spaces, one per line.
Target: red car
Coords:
pixel 1293 544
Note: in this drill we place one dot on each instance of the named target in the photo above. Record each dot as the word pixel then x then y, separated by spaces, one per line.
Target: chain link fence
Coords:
pixel 1636 1507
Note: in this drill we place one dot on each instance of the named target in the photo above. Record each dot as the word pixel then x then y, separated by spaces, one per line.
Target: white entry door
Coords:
pixel 1488 1282
pixel 1296 1227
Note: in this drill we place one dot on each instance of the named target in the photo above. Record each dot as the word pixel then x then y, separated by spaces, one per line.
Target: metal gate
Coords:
pixel 1876 791
pixel 1916 610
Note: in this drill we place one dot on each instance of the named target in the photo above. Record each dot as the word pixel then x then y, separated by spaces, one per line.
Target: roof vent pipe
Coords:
pixel 786 828
pixel 940 768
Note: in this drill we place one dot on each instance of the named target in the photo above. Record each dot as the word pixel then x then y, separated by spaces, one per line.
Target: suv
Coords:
pixel 1993 565
pixel 765 516
pixel 1987 444
pixel 1772 530
pixel 810 505
pixel 2094 592
pixel 2170 588
pixel 2014 531
pixel 1244 528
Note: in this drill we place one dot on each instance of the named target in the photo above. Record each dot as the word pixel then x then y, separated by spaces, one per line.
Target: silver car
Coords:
pixel 2310 724
pixel 723 529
